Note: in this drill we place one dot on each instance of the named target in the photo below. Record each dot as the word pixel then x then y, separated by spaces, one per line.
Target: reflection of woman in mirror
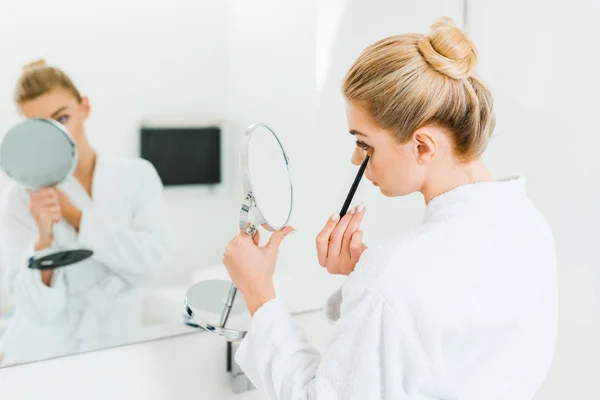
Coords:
pixel 464 306
pixel 114 206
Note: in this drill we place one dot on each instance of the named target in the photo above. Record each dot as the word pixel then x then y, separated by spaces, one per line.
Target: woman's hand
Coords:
pixel 339 244
pixel 45 209
pixel 252 267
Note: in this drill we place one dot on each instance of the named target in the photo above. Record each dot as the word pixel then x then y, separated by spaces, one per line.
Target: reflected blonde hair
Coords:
pixel 38 78
pixel 413 80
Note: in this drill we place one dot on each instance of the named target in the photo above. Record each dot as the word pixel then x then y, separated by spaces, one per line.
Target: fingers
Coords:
pixel 244 236
pixel 323 238
pixel 46 194
pixel 356 246
pixel 335 240
pixel 256 237
pixel 353 226
pixel 357 218
pixel 44 205
pixel 49 214
pixel 277 237
pixel 42 191
pixel 54 215
pixel 234 244
pixel 44 199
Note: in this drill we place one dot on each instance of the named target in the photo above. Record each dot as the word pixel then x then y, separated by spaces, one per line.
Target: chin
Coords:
pixel 396 193
pixel 393 192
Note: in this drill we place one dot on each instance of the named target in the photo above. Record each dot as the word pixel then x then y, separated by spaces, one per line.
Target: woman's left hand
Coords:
pixel 252 267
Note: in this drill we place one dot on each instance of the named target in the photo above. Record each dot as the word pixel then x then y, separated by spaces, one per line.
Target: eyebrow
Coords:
pixel 355 132
pixel 55 113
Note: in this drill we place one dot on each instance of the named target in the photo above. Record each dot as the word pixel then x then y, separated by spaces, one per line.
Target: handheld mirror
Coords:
pixel 267 202
pixel 39 153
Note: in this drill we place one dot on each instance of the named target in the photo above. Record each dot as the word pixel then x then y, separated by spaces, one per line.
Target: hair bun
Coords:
pixel 448 50
pixel 35 64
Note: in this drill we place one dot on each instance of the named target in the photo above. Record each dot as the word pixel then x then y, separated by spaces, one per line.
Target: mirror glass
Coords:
pixel 38 153
pixel 148 176
pixel 155 189
pixel 216 305
pixel 207 308
pixel 269 176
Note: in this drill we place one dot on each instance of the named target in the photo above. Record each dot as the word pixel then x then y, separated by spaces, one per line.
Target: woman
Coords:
pixel 113 206
pixel 464 306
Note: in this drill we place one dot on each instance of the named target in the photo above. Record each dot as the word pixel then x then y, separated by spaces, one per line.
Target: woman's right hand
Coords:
pixel 339 244
pixel 45 209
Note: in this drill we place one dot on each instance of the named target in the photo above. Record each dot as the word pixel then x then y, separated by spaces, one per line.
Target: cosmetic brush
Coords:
pixel 359 176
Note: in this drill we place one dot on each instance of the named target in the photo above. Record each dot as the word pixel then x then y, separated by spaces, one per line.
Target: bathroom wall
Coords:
pixel 539 58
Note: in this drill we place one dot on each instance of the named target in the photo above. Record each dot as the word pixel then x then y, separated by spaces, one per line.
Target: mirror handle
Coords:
pixel 247 204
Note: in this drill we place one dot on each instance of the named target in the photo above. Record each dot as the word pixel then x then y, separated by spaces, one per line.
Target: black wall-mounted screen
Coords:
pixel 183 155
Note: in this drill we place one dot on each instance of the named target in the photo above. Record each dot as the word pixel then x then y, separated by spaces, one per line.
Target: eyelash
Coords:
pixel 62 117
pixel 362 145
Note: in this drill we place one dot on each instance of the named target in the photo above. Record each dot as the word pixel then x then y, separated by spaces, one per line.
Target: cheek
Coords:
pixel 372 169
pixel 382 168
pixel 394 174
pixel 75 127
pixel 357 157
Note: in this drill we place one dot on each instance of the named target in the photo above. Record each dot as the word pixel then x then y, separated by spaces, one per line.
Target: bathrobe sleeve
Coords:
pixel 39 302
pixel 135 250
pixel 368 357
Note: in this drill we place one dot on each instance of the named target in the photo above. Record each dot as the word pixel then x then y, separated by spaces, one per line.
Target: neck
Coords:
pixel 85 165
pixel 453 176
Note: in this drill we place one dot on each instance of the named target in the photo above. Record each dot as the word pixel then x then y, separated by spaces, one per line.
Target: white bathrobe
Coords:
pixel 463 307
pixel 96 302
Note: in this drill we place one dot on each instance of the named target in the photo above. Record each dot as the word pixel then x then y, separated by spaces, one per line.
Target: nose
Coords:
pixel 357 156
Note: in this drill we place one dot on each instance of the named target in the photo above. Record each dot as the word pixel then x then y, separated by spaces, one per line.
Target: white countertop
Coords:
pixel 184 367
pixel 172 360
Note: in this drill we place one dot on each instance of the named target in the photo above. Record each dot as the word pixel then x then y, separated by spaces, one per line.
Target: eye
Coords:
pixel 63 119
pixel 362 145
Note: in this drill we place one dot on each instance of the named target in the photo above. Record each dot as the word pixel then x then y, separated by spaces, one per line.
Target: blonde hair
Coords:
pixel 413 80
pixel 38 78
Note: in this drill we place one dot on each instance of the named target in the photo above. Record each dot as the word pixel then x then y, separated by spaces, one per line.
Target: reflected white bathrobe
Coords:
pixel 464 307
pixel 97 302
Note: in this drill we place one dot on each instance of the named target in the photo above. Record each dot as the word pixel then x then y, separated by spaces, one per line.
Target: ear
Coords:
pixel 85 104
pixel 425 146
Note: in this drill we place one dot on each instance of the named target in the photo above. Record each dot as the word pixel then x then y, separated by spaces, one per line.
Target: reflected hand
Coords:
pixel 252 267
pixel 339 244
pixel 45 209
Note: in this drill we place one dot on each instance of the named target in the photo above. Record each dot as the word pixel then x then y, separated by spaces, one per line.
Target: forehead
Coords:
pixel 45 105
pixel 357 115
pixel 359 120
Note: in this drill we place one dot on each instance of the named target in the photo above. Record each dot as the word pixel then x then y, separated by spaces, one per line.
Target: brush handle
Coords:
pixel 359 176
